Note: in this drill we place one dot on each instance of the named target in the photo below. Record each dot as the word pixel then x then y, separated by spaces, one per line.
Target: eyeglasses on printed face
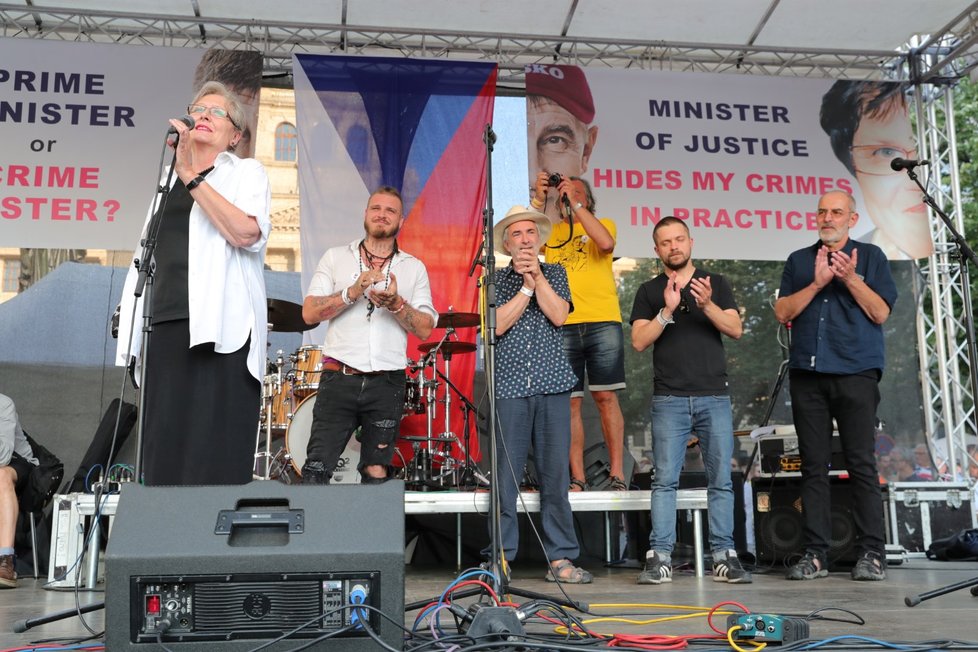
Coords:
pixel 216 111
pixel 875 159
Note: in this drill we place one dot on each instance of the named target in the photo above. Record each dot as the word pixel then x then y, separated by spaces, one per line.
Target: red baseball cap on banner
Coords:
pixel 565 85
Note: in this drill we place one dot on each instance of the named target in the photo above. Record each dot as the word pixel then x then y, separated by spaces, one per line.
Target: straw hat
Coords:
pixel 519 214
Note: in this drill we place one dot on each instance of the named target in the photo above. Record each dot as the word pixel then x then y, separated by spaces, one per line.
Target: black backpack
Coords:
pixel 44 480
pixel 962 545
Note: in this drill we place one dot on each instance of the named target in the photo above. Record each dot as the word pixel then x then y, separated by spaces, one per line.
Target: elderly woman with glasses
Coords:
pixel 206 355
pixel 868 126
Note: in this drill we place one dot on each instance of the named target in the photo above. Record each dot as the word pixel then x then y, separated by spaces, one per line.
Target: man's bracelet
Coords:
pixel 527 291
pixel 196 181
pixel 345 296
pixel 662 320
pixel 536 203
pixel 394 312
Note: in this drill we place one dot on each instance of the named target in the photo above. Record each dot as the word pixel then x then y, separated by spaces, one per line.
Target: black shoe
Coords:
pixel 869 568
pixel 729 569
pixel 656 571
pixel 314 472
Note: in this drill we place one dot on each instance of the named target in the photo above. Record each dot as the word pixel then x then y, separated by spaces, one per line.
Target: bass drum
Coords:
pixel 297 438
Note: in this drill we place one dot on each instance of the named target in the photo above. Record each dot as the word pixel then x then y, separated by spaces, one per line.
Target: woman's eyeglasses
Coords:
pixel 215 111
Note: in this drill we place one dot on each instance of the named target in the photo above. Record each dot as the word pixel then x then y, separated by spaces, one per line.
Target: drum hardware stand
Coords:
pixel 270 389
pixel 772 400
pixel 470 474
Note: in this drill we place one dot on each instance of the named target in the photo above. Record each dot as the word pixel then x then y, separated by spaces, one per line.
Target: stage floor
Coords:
pixel 880 604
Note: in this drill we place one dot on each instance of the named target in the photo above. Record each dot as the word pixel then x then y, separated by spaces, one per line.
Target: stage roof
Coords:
pixel 828 38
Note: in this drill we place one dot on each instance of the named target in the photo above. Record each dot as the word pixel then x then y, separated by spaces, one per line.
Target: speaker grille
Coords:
pixel 253 606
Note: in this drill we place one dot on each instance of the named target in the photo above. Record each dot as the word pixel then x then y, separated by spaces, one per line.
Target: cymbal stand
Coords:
pixel 446 437
pixel 263 458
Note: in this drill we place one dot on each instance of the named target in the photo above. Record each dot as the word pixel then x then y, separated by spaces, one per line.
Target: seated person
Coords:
pixel 16 462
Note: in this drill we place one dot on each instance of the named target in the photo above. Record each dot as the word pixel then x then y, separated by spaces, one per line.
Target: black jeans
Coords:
pixel 346 402
pixel 851 400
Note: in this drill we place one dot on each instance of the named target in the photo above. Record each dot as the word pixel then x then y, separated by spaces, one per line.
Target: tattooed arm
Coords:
pixel 317 309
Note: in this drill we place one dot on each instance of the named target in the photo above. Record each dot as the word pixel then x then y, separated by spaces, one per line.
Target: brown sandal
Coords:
pixel 577 485
pixel 566 572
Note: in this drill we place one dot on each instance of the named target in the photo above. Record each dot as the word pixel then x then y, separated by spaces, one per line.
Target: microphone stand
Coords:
pixel 964 253
pixel 146 264
pixel 487 281
pixel 500 583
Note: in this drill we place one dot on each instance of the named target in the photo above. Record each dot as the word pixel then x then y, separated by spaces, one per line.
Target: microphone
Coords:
pixel 187 120
pixel 898 164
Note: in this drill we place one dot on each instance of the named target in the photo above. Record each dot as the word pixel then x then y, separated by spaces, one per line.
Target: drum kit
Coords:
pixel 291 385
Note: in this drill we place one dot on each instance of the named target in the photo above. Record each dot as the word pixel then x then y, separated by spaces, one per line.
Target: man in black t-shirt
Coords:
pixel 683 312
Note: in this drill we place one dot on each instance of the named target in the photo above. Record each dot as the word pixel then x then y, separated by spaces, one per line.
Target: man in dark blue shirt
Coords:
pixel 533 381
pixel 837 293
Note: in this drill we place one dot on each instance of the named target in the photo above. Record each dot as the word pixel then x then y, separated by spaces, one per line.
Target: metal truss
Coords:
pixel 278 41
pixel 947 376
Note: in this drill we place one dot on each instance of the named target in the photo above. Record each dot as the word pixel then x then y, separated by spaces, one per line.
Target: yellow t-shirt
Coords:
pixel 592 284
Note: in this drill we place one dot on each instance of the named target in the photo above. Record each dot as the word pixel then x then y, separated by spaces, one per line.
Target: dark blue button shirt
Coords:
pixel 832 334
pixel 530 358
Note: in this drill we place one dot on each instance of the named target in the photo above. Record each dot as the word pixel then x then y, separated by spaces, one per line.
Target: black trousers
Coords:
pixel 344 403
pixel 201 411
pixel 851 400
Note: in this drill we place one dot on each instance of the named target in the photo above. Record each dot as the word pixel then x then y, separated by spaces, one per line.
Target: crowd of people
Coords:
pixel 559 335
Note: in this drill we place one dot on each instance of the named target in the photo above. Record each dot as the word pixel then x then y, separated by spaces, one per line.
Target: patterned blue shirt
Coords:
pixel 530 358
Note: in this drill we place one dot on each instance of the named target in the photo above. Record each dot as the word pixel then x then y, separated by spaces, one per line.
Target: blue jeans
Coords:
pixel 597 349
pixel 543 422
pixel 674 420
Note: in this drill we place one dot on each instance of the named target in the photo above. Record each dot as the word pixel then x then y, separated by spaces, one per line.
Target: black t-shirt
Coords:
pixel 688 358
pixel 170 300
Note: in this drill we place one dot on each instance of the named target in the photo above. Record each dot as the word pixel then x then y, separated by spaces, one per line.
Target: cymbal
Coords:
pixel 452 319
pixel 448 347
pixel 286 317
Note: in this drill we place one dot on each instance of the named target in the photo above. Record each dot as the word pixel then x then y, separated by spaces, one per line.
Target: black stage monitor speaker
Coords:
pixel 226 568
pixel 778 524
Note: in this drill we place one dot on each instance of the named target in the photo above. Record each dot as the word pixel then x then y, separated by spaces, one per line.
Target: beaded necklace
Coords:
pixel 372 259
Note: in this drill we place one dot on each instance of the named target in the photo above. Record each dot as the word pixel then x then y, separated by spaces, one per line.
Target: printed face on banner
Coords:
pixel 741 159
pixel 559 142
pixel 892 199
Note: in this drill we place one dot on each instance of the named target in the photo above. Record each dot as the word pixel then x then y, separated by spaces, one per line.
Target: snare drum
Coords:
pixel 297 438
pixel 307 365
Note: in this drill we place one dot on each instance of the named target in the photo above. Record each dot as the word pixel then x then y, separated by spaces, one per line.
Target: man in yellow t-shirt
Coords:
pixel 583 245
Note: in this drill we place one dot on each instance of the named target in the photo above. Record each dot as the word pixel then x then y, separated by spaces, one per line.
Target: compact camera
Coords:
pixel 554 179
